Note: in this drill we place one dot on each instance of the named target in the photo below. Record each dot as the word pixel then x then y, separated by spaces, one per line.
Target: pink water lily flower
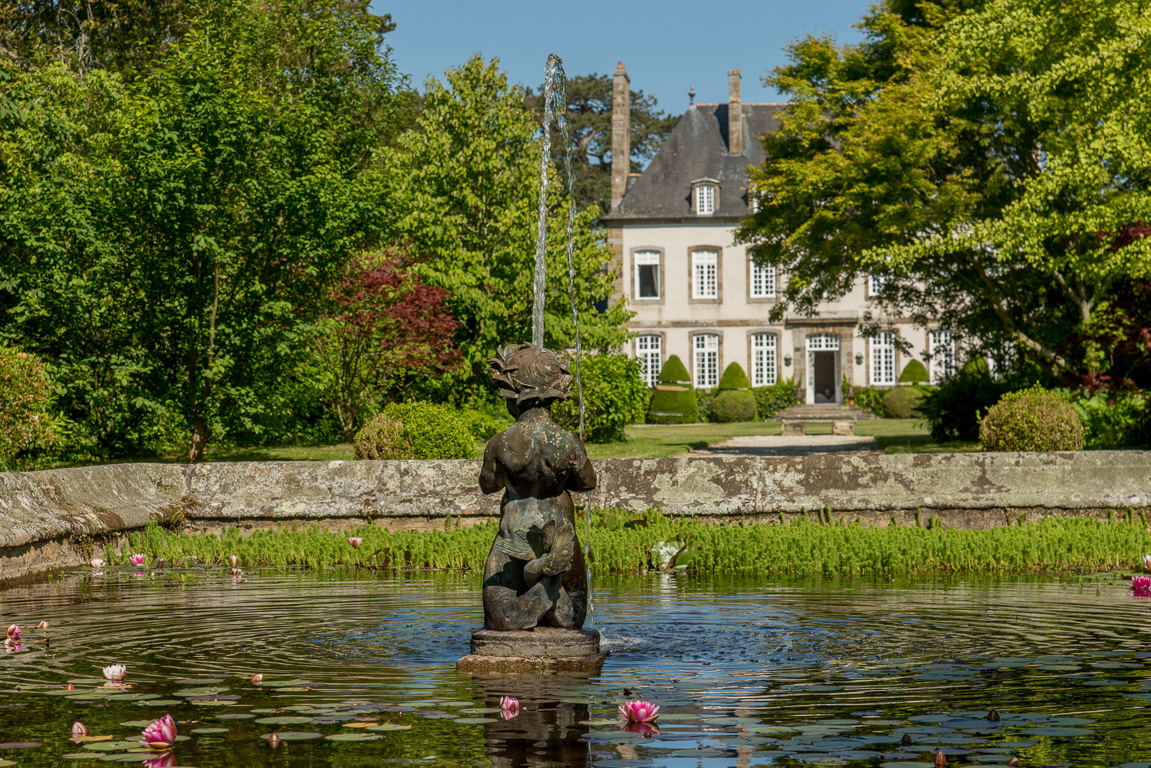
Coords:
pixel 13 632
pixel 136 559
pixel 160 734
pixel 42 625
pixel 355 541
pixel 1141 586
pixel 79 730
pixel 166 760
pixel 257 679
pixel 647 730
pixel 510 707
pixel 97 563
pixel 638 711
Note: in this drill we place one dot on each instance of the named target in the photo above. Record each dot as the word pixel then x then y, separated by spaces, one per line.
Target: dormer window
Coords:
pixel 704 196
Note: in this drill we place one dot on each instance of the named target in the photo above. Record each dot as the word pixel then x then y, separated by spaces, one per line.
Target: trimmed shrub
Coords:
pixel 25 404
pixel 672 405
pixel 673 401
pixel 614 397
pixel 914 373
pixel 955 408
pixel 415 431
pixel 733 378
pixel 674 372
pixel 902 402
pixel 1031 420
pixel 772 399
pixel 733 405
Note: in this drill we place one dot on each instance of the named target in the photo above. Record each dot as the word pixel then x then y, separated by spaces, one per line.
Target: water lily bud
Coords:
pixel 234 560
pixel 69 687
pixel 993 715
pixel 906 740
pixel 940 759
pixel 273 741
pixel 257 679
pixel 79 729
pixel 42 625
pixel 1013 762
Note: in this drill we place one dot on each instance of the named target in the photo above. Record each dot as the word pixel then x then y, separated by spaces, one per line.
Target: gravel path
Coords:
pixel 776 445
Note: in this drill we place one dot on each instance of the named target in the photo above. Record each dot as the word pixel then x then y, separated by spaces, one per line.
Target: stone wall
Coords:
pixel 46 516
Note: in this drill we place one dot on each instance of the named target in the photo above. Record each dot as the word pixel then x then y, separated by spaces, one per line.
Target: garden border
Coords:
pixel 51 519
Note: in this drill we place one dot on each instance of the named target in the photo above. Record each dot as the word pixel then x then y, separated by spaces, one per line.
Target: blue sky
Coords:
pixel 666 46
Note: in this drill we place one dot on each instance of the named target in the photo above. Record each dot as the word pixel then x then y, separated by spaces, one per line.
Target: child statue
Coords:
pixel 535 573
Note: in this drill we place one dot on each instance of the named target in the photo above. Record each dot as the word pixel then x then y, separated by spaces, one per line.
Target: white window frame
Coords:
pixel 875 283
pixel 941 352
pixel 764 359
pixel 704 199
pixel 705 360
pixel 649 352
pixel 763 280
pixel 705 274
pixel 647 259
pixel 883 359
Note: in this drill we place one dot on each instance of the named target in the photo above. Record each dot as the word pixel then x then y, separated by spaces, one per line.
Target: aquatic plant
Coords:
pixel 13 633
pixel 136 559
pixel 79 730
pixel 1141 586
pixel 42 625
pixel 510 707
pixel 355 541
pixel 1147 562
pixel 161 733
pixel 638 711
pixel 257 679
pixel 115 672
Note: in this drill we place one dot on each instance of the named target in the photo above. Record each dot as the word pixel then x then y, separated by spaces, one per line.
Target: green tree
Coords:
pixel 589 105
pixel 467 193
pixel 215 199
pixel 984 156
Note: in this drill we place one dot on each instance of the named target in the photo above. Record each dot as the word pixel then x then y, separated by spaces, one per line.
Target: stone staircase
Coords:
pixel 841 416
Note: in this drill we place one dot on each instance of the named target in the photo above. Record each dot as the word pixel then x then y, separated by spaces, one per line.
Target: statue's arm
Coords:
pixel 583 478
pixel 490 480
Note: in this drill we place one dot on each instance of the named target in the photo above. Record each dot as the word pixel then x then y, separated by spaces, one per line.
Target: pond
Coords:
pixel 359 669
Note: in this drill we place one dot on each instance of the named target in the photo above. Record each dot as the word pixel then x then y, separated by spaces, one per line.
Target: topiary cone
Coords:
pixel 733 378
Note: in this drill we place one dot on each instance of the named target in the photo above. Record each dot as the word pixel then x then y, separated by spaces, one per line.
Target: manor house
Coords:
pixel 697 294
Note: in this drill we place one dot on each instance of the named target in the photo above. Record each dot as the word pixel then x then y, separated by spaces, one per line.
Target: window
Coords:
pixel 875 284
pixel 752 199
pixel 883 359
pixel 706 348
pixel 762 280
pixel 941 349
pixel 648 351
pixel 823 342
pixel 704 199
pixel 763 358
pixel 705 274
pixel 646 274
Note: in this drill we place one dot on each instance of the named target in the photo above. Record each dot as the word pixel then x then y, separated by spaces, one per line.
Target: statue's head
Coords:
pixel 528 375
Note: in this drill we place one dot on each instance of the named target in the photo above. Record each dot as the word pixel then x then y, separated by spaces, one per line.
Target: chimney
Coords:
pixel 620 133
pixel 734 113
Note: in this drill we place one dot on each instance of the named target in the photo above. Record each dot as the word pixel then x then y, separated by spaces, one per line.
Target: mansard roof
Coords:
pixel 698 149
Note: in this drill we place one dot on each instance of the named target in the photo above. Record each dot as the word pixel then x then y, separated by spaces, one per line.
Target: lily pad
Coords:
pixel 393 727
pixel 295 735
pixel 352 737
pixel 112 746
pixel 475 720
pixel 209 730
pixel 284 720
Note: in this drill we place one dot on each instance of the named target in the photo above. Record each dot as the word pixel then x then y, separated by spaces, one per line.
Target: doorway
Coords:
pixel 823 377
pixel 823 370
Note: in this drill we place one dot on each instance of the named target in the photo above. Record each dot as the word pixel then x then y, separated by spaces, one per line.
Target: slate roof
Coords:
pixel 697 149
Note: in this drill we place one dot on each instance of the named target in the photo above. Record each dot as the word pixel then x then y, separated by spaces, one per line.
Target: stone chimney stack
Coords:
pixel 734 113
pixel 620 133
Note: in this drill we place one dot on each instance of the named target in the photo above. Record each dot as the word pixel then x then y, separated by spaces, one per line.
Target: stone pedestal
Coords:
pixel 543 649
pixel 792 428
pixel 845 427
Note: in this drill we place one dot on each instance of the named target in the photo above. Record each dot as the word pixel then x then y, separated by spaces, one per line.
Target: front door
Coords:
pixel 823 369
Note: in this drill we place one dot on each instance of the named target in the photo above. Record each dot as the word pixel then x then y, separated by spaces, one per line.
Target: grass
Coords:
pixel 627 542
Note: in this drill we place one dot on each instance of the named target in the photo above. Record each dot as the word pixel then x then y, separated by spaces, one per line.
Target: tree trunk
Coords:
pixel 199 438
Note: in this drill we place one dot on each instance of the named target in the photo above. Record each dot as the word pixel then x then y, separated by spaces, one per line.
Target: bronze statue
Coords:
pixel 535 574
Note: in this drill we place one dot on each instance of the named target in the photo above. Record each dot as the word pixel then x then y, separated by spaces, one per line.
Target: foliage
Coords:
pixel 672 405
pixel 814 544
pixel 26 395
pixel 589 105
pixel 485 423
pixel 869 399
pixel 772 399
pixel 385 327
pixel 733 405
pixel 984 155
pixel 614 397
pixel 704 398
pixel 1116 341
pixel 1114 420
pixel 415 431
pixel 466 182
pixel 954 410
pixel 733 378
pixel 674 372
pixel 902 402
pixel 914 373
pixel 166 243
pixel 1031 420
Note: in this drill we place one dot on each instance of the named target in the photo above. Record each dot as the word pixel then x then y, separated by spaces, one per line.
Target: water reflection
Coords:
pixel 547 732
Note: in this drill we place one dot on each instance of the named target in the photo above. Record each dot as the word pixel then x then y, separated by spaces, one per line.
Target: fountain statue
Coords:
pixel 535 579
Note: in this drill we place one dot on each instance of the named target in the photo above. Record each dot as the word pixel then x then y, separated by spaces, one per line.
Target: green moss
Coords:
pixel 674 372
pixel 914 373
pixel 733 405
pixel 733 378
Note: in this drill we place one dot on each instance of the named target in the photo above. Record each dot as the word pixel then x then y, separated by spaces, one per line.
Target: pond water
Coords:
pixel 359 670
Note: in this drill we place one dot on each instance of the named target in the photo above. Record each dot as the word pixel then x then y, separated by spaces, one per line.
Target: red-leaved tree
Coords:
pixel 385 327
